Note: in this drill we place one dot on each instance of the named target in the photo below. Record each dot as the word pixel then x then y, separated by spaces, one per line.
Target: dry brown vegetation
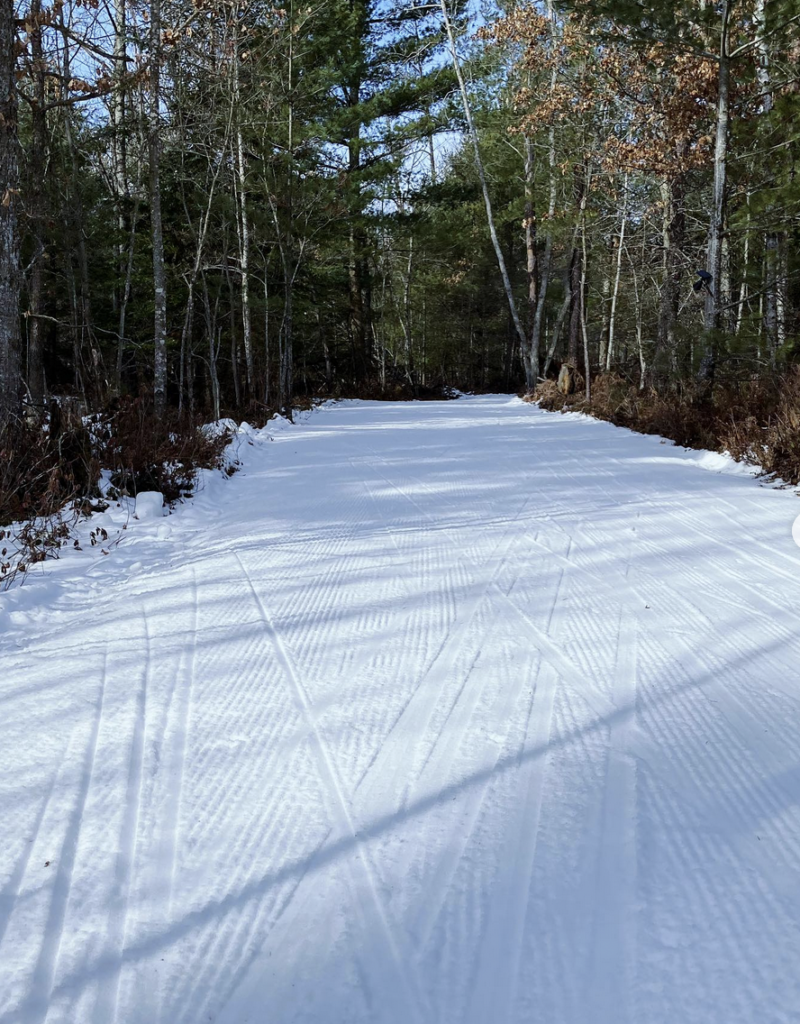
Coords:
pixel 153 453
pixel 49 476
pixel 756 421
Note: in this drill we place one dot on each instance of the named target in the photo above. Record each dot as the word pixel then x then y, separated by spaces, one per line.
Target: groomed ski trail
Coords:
pixel 437 712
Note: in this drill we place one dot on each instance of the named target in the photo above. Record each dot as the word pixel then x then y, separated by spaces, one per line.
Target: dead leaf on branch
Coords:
pixel 79 85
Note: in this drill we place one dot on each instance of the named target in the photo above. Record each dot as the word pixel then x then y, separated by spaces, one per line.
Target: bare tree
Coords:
pixel 10 379
pixel 156 225
pixel 473 134
pixel 243 232
pixel 714 294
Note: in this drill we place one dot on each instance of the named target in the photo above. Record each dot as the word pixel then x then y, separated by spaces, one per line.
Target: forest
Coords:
pixel 223 208
pixel 399 511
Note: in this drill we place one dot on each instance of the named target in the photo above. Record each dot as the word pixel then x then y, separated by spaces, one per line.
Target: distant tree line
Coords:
pixel 224 204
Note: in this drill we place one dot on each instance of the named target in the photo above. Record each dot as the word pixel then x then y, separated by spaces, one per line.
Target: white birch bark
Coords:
pixel 473 134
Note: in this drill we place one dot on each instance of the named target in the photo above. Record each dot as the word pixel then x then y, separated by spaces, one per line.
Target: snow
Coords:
pixel 150 505
pixel 435 712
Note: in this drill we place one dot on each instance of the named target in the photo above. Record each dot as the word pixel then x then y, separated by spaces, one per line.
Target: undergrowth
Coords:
pixel 50 472
pixel 149 453
pixel 756 421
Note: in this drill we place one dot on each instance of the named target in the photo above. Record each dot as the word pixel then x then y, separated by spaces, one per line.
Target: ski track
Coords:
pixel 446 713
pixel 394 974
pixel 109 994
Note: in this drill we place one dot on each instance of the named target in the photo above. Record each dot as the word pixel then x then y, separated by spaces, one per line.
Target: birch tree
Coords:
pixel 487 200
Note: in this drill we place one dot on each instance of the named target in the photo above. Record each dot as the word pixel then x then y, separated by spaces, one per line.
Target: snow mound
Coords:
pixel 150 505
pixel 217 427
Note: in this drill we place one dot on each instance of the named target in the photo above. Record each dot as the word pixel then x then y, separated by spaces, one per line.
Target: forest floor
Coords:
pixel 444 712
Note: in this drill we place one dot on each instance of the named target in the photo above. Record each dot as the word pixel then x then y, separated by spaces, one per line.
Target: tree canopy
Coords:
pixel 227 204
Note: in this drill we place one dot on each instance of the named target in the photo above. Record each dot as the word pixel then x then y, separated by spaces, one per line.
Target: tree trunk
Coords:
pixel 77 359
pixel 576 271
pixel 200 235
pixel 287 353
pixel 266 334
pixel 126 294
pixel 618 273
pixel 606 303
pixel 743 279
pixel 186 346
pixel 574 306
pixel 157 233
pixel 783 298
pixel 244 264
pixel 530 355
pixel 285 380
pixel 359 319
pixel 557 328
pixel 242 223
pixel 547 262
pixel 360 327
pixel 237 384
pixel 118 109
pixel 501 263
pixel 36 215
pixel 587 368
pixel 713 298
pixel 121 177
pixel 10 382
pixel 405 319
pixel 672 234
pixel 726 318
pixel 75 219
pixel 213 349
pixel 639 339
pixel 323 338
pixel 771 242
pixel 424 341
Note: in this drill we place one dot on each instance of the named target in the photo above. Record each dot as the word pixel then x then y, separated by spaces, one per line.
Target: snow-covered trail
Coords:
pixel 437 712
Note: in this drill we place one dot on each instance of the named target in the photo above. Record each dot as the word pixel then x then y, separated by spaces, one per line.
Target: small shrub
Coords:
pixel 149 453
pixel 42 473
pixel 42 469
pixel 548 396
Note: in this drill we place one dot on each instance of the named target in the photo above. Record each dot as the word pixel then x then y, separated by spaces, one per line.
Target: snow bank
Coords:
pixel 708 461
pixel 104 543
pixel 434 713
